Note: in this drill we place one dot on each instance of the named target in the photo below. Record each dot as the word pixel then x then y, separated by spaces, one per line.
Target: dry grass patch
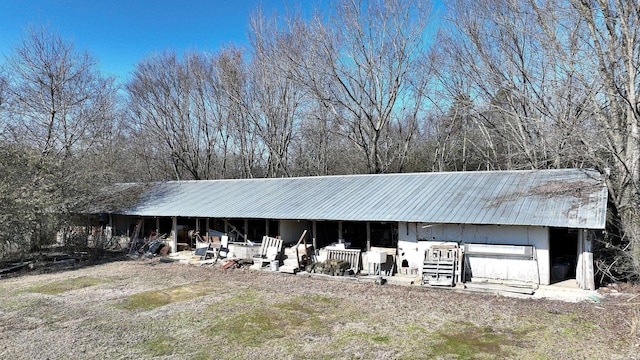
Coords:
pixel 208 313
pixel 159 345
pixel 467 341
pixel 150 300
pixel 62 286
pixel 258 320
pixel 634 325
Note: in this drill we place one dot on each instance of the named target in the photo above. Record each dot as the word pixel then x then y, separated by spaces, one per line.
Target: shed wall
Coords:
pixel 415 238
pixel 291 230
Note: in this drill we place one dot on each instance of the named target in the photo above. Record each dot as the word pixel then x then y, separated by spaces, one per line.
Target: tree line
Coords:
pixel 362 87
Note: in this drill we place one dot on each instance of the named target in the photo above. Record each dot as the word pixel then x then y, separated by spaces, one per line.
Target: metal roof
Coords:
pixel 573 198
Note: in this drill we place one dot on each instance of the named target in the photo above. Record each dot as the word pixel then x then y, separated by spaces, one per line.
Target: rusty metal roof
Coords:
pixel 573 198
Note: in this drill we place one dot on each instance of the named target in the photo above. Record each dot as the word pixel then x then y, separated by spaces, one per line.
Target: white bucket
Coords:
pixel 275 266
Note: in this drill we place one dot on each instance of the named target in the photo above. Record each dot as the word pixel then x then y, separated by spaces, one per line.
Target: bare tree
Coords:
pixel 555 85
pixel 245 147
pixel 609 72
pixel 275 102
pixel 176 106
pixel 4 93
pixel 493 51
pixel 318 146
pixel 360 65
pixel 4 89
pixel 56 94
pixel 57 105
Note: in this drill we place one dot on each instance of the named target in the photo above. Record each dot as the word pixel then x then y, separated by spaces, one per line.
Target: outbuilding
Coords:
pixel 534 226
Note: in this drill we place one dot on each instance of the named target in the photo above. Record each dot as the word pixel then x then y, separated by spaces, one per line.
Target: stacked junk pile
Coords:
pixel 443 264
pixel 272 255
pixel 146 247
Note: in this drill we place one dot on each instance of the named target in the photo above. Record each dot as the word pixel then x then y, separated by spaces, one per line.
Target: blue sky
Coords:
pixel 119 33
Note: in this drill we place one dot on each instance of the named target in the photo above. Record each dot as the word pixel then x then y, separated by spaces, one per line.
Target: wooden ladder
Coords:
pixel 134 238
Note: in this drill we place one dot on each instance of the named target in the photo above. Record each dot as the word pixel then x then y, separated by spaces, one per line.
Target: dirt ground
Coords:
pixel 159 309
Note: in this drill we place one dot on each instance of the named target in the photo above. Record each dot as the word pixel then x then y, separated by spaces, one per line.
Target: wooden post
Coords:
pixel 315 232
pixel 580 262
pixel 340 236
pixel 266 227
pixel 246 230
pixel 158 226
pixel 368 236
pixel 174 234
pixel 206 230
pixel 589 280
pixel 589 276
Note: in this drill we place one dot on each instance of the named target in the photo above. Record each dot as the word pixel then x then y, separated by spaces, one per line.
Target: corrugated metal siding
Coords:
pixel 490 197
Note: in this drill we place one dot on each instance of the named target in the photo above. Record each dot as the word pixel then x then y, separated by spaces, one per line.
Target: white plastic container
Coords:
pixel 376 257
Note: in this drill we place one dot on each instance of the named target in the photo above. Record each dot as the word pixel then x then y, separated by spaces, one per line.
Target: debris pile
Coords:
pixel 54 260
pixel 333 267
pixel 149 249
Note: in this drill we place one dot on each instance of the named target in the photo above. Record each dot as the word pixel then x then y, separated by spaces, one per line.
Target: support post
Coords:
pixel 580 273
pixel 368 236
pixel 174 234
pixel 315 232
pixel 246 230
pixel 589 281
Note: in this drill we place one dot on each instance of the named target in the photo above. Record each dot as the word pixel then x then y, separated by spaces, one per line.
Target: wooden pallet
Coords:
pixel 438 273
pixel 441 265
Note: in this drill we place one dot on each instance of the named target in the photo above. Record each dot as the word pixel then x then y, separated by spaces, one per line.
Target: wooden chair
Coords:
pixel 206 252
pixel 270 250
pixel 210 250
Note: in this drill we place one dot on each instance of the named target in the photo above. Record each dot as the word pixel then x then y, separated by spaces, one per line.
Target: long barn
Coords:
pixel 534 226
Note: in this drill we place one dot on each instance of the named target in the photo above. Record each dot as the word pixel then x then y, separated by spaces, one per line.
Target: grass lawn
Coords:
pixel 151 309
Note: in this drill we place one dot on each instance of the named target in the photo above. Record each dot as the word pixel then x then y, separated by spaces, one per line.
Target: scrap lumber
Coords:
pixel 303 237
pixel 333 267
pixel 296 258
pixel 229 264
pixel 237 232
pixel 289 269
pixel 134 238
pixel 489 287
pixel 15 267
pixel 351 256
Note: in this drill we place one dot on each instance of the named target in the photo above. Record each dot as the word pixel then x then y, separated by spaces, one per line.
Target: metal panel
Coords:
pixel 572 198
pixel 493 250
